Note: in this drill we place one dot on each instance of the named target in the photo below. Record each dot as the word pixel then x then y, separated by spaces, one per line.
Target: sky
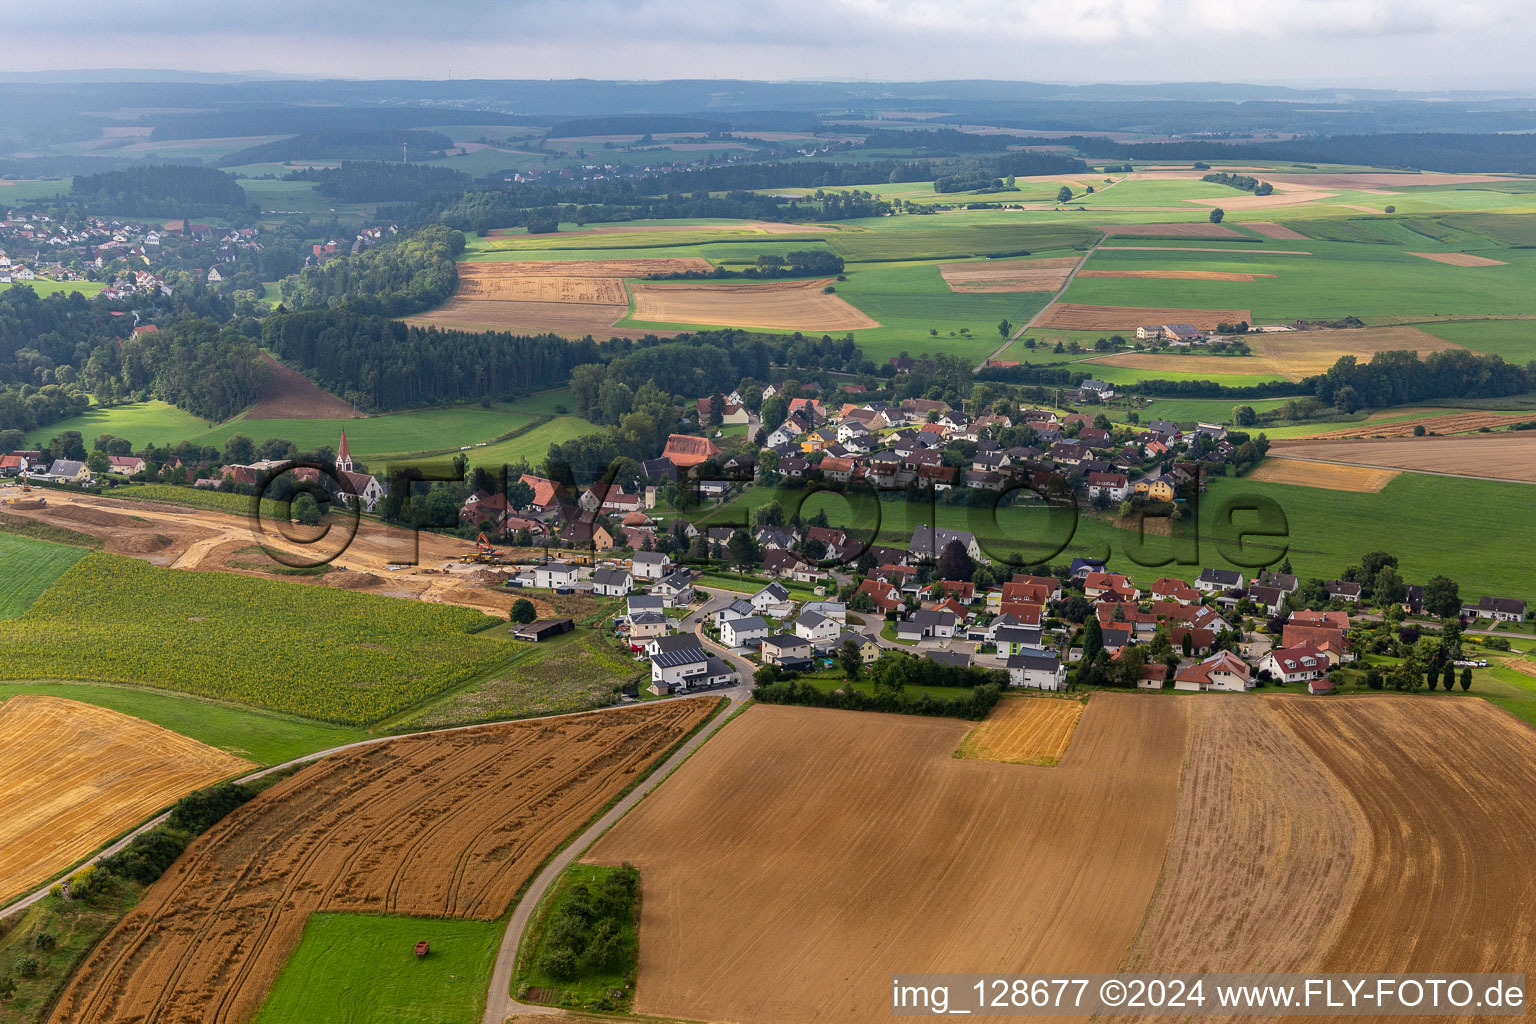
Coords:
pixel 1415 44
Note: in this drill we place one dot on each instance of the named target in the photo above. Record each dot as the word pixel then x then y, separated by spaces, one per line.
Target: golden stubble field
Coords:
pixel 769 305
pixel 73 776
pixel 1507 456
pixel 1212 832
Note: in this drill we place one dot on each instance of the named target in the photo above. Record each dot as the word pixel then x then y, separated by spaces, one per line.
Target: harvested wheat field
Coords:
pixel 1291 354
pixel 289 395
pixel 857 844
pixel 1251 785
pixel 1071 316
pixel 1449 423
pixel 1460 259
pixel 568 319
pixel 1278 231
pixel 1024 730
pixel 1510 456
pixel 1012 275
pixel 1178 275
pixel 73 776
pixel 1295 197
pixel 1194 229
pixel 491 273
pixel 1446 794
pixel 445 825
pixel 1304 473
pixel 771 305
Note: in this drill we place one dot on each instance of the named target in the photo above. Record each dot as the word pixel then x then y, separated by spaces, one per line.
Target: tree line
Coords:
pixel 1242 181
pixel 381 181
pixel 800 263
pixel 345 144
pixel 414 272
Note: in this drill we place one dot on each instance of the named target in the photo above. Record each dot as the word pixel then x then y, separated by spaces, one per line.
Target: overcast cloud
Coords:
pixel 1405 43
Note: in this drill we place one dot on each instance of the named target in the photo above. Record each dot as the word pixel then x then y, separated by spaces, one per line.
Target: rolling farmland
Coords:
pixel 73 776
pixel 445 826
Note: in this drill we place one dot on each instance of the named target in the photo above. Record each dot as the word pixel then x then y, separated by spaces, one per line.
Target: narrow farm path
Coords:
pixel 1016 335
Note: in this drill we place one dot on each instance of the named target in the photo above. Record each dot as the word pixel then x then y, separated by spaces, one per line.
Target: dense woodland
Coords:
pixel 379 363
pixel 160 190
pixel 381 181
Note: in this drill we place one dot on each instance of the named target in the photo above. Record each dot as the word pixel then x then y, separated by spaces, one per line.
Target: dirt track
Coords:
pixel 190 538
pixel 838 846
pixel 449 825
pixel 73 775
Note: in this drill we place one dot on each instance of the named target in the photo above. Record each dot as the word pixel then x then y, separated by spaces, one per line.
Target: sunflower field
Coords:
pixel 331 655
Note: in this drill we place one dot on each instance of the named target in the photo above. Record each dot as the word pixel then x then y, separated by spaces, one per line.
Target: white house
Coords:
pixel 554 575
pixel 611 582
pixel 1113 486
pixel 650 565
pixel 1213 580
pixel 773 600
pixel 928 623
pixel 1221 671
pixel 742 632
pixel 1500 609
pixel 676 590
pixel 1295 664
pixel 677 667
pixel 1039 670
pixel 786 649
pixel 737 609
pixel 361 487
pixel 817 628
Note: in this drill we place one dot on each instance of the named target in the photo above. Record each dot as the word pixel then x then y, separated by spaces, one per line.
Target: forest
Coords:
pixel 383 364
pixel 381 181
pixel 160 190
pixel 345 144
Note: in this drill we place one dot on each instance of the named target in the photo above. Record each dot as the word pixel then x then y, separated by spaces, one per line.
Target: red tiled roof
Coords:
pixel 684 450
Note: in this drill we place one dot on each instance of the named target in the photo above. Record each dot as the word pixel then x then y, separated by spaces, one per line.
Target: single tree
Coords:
pixel 1217 214
pixel 955 563
pixel 1004 327
pixel 1093 640
pixel 1064 194
pixel 305 510
pixel 1466 679
pixel 523 611
pixel 850 658
pixel 1442 597
pixel 1448 679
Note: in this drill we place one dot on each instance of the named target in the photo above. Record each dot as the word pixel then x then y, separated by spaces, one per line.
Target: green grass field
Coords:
pixel 76 925
pixel 315 652
pixel 46 288
pixel 29 567
pixel 360 969
pixel 1512 340
pixel 371 437
pixel 958 237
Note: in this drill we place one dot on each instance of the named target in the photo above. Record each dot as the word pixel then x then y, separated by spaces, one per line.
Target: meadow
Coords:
pixel 29 567
pixel 46 288
pixel 316 652
pixel 1512 340
pixel 351 968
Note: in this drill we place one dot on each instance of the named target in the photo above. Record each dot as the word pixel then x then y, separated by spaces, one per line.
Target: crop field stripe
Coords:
pixel 28 568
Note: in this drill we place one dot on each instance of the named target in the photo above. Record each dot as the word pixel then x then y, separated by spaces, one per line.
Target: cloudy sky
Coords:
pixel 1405 43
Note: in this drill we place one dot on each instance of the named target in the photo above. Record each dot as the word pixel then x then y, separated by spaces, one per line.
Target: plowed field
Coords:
pixel 1045 275
pixel 771 305
pixel 1460 259
pixel 1024 730
pixel 849 843
pixel 1070 316
pixel 1453 423
pixel 447 825
pixel 73 776
pixel 1509 456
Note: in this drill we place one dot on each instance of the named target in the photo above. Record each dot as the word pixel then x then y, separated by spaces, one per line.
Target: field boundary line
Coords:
pixel 1054 299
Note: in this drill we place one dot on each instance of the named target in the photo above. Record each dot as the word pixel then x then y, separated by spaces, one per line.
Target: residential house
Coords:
pixel 554 575
pixel 869 651
pixel 648 625
pixel 1214 581
pixel 1295 664
pixel 651 565
pixel 773 600
pixel 949 659
pixel 1269 599
pixel 69 471
pixel 685 450
pixel 1038 670
pixel 1110 584
pixel 786 651
pixel 1221 671
pixel 1012 640
pixel 1342 590
pixel 676 590
pixel 1158 488
pixel 882 595
pixel 1095 389
pixel 1111 486
pixel 128 465
pixel 1499 609
pixel 930 542
pixel 1279 580
pixel 612 582
pixel 927 624
pixel 740 608
pixel 744 632
pixel 817 628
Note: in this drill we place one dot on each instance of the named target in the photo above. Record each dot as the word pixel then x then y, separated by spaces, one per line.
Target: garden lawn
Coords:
pixel 315 652
pixel 361 969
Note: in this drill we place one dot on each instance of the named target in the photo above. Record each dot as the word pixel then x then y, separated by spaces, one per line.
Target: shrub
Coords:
pixel 558 962
pixel 45 941
pixel 7 987
pixel 27 966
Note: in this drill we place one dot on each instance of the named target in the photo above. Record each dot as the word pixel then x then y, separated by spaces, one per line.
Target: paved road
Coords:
pixel 499 1002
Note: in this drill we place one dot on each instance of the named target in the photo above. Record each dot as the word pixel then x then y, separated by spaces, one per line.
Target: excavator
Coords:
pixel 485 554
pixel 26 488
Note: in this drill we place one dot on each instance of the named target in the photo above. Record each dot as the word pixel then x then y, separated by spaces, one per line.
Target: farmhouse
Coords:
pixel 1221 671
pixel 1039 670
pixel 1500 609
pixel 683 450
